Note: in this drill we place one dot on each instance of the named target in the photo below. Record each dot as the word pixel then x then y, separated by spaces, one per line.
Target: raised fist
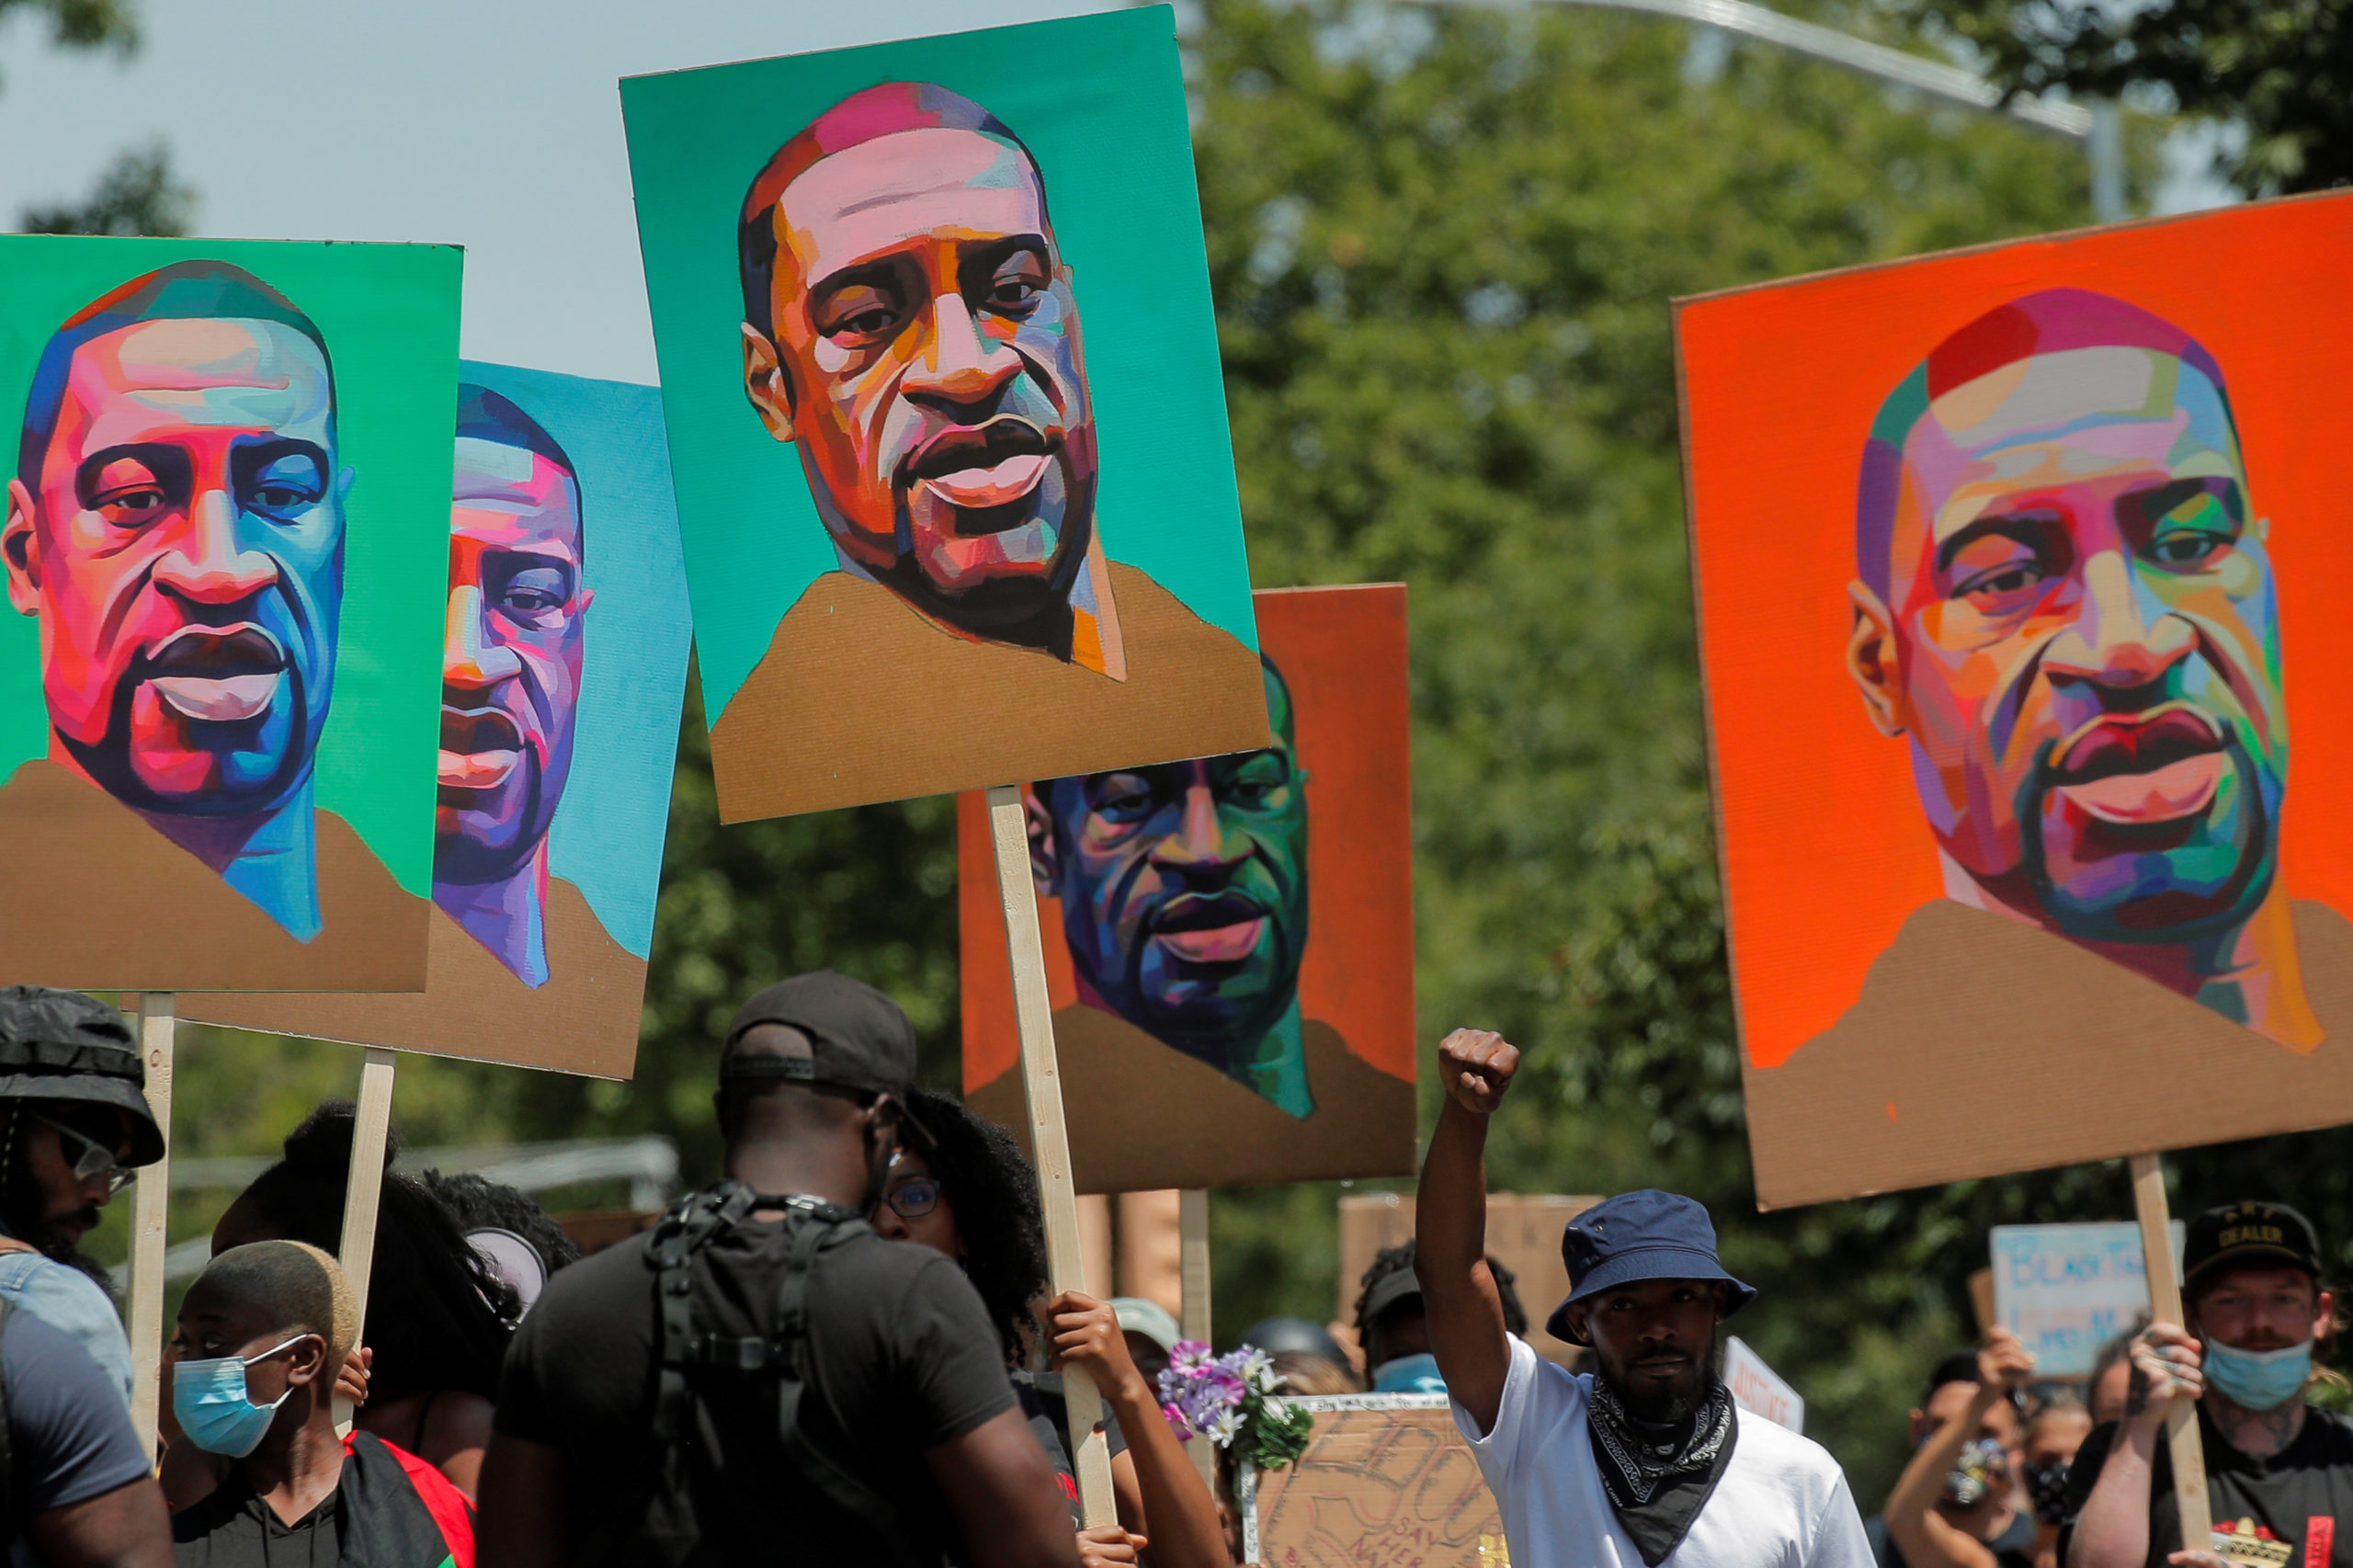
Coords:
pixel 1476 1066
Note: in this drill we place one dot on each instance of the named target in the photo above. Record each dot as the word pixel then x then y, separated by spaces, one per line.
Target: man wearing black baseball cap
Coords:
pixel 1647 1455
pixel 816 1395
pixel 73 1125
pixel 2279 1472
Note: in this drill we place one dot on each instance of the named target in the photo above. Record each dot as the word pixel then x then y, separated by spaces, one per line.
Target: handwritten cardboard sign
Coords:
pixel 1386 1480
pixel 2063 1289
pixel 1758 1389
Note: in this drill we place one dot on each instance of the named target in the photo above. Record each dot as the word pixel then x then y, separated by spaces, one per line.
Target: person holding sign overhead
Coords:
pixel 2279 1472
pixel 1646 1456
pixel 1956 1506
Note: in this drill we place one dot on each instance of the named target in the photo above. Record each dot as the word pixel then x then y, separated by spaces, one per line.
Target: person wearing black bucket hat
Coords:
pixel 817 1394
pixel 73 1125
pixel 2278 1469
pixel 1645 1457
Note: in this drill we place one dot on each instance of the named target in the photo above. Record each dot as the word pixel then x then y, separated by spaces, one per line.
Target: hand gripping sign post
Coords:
pixel 2044 523
pixel 216 698
pixel 866 310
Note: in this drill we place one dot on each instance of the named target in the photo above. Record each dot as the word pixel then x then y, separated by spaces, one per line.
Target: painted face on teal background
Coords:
pixel 511 659
pixel 2089 637
pixel 1184 888
pixel 929 338
pixel 185 558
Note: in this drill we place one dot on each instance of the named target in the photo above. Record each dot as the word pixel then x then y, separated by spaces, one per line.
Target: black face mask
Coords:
pixel 2047 1484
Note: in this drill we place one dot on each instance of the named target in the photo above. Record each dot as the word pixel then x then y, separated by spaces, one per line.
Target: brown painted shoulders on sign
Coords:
pixel 1980 1043
pixel 92 898
pixel 859 697
pixel 1143 1115
pixel 585 1020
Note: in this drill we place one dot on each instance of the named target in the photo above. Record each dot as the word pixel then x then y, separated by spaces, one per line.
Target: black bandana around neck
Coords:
pixel 1656 1495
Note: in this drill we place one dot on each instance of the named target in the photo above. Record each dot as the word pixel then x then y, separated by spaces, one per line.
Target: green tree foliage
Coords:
pixel 136 195
pixel 2278 70
pixel 84 23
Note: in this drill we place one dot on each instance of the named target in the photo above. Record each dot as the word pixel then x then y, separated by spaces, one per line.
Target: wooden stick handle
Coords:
pixel 150 1205
pixel 1193 1268
pixel 1041 1088
pixel 366 1189
pixel 2164 1306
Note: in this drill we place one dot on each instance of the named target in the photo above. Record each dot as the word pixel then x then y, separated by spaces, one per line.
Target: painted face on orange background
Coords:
pixel 185 556
pixel 511 659
pixel 2087 645
pixel 928 341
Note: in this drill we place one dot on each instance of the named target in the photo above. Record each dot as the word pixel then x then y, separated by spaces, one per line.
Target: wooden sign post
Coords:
pixel 2164 1306
pixel 1193 1272
pixel 364 1192
pixel 1048 1135
pixel 151 1204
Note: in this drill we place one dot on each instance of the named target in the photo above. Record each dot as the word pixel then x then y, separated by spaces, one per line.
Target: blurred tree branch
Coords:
pixel 136 195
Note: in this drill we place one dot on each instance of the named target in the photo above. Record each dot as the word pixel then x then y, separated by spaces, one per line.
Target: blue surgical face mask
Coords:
pixel 1408 1374
pixel 2258 1379
pixel 210 1399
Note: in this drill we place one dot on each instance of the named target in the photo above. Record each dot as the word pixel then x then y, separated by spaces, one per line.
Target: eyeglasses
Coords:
pixel 95 1160
pixel 914 1199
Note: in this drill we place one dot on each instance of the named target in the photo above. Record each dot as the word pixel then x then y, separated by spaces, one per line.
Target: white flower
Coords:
pixel 1275 1412
pixel 1259 1371
pixel 1225 1426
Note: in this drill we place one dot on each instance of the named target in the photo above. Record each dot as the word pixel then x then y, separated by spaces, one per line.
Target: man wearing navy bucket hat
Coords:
pixel 1646 1459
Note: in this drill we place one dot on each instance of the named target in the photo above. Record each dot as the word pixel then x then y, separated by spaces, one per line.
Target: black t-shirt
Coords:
pixel 2295 1507
pixel 2013 1548
pixel 230 1527
pixel 69 1436
pixel 1047 1410
pixel 902 1357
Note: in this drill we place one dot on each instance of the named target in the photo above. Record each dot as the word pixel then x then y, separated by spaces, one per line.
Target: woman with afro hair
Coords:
pixel 966 1190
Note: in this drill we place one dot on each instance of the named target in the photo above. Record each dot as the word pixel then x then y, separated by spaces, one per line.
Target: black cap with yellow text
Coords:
pixel 2248 1235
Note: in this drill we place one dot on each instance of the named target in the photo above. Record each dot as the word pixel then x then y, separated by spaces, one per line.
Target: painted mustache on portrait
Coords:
pixel 495 765
pixel 1197 942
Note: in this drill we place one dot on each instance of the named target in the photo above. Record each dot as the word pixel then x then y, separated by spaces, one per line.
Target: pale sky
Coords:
pixel 495 124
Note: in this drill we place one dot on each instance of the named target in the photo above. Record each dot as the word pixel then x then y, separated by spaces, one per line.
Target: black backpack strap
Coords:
pixel 825 1226
pixel 8 1531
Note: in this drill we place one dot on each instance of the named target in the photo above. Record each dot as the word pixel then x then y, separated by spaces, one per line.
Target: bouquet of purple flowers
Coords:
pixel 1234 1401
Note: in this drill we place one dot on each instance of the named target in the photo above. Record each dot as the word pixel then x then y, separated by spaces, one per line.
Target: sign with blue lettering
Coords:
pixel 2064 1289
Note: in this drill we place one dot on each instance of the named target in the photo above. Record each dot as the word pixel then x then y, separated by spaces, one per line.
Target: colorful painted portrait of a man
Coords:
pixel 1182 957
pixel 966 560
pixel 2083 568
pixel 178 527
pixel 563 656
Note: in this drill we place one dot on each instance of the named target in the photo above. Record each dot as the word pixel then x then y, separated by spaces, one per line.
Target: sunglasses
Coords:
pixel 95 1160
pixel 914 1199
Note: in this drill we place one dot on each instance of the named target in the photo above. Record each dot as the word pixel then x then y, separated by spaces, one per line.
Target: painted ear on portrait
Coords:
pixel 1045 856
pixel 765 383
pixel 20 545
pixel 1873 659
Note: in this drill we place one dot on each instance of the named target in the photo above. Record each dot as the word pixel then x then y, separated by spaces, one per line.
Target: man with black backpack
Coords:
pixel 761 1378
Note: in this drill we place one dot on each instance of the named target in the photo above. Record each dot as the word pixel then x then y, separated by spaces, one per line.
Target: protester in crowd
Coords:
pixel 2052 1434
pixel 438 1319
pixel 262 1334
pixel 874 1424
pixel 1647 1454
pixel 2279 1472
pixel 1956 1504
pixel 518 1240
pixel 1392 1326
pixel 1305 1353
pixel 1152 1332
pixel 74 1126
pixel 972 1196
pixel 2111 1375
pixel 77 1492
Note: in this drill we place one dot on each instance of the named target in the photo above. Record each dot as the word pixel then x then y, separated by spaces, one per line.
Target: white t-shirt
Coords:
pixel 1782 1502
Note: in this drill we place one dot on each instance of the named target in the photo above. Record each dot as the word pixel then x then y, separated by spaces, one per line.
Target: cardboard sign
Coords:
pixel 222 541
pixel 1523 1234
pixel 2067 1289
pixel 1229 941
pixel 2017 568
pixel 1386 1480
pixel 937 538
pixel 1757 1389
pixel 564 663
